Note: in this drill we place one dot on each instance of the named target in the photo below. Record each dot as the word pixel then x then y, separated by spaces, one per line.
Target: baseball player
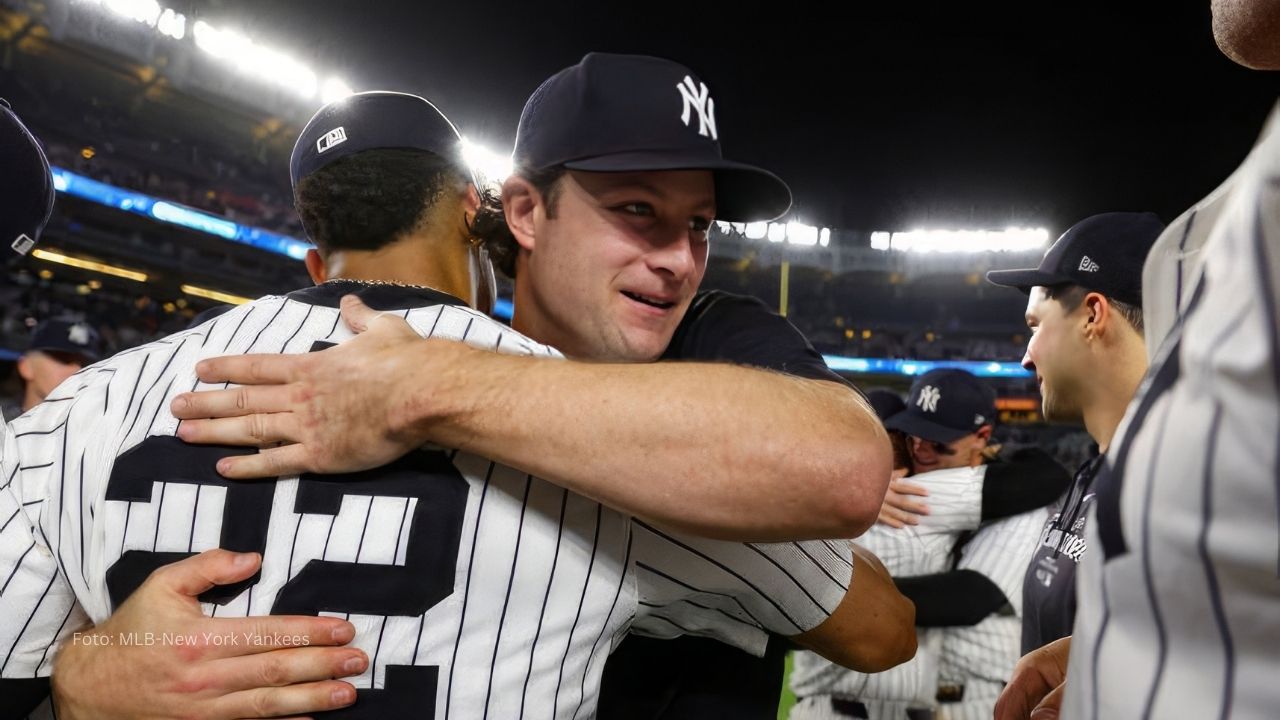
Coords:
pixel 809 435
pixel 970 601
pixel 512 513
pixel 58 349
pixel 1086 348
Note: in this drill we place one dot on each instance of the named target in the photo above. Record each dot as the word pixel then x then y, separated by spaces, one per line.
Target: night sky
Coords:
pixel 887 115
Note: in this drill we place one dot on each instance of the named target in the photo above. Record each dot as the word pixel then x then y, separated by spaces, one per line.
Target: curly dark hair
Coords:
pixel 370 199
pixel 490 222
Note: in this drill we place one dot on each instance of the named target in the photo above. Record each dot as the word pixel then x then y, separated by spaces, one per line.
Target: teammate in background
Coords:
pixel 675 201
pixel 58 349
pixel 960 610
pixel 1179 604
pixel 817 455
pixel 1085 314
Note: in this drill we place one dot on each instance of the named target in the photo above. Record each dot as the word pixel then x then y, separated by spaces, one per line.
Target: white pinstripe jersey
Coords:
pixel 989 649
pixel 1179 596
pixel 955 505
pixel 475 589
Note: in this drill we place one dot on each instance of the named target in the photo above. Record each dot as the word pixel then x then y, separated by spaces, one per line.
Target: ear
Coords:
pixel 984 434
pixel 315 266
pixel 25 371
pixel 1098 315
pixel 471 200
pixel 521 202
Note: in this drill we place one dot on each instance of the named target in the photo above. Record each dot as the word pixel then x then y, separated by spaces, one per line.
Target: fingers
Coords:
pixel 290 700
pixel 196 574
pixel 361 318
pixel 257 430
pixel 357 315
pixel 260 634
pixel 233 402
pixel 903 487
pixel 887 518
pixel 1051 706
pixel 250 369
pixel 268 463
pixel 891 509
pixel 282 667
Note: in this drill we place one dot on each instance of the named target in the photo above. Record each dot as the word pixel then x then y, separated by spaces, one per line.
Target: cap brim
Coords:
pixel 913 424
pixel 744 193
pixel 1024 280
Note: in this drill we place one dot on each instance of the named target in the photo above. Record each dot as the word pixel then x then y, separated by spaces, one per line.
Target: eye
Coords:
pixel 639 209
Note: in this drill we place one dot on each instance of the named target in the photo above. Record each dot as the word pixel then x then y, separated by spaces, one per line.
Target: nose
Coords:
pixel 679 257
pixel 1027 362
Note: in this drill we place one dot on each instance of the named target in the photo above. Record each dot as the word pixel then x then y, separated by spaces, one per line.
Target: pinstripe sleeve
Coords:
pixel 735 592
pixel 36 603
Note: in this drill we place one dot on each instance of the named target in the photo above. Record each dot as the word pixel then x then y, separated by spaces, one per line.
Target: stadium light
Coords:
pixel 83 264
pixel 334 89
pixel 756 230
pixel 489 165
pixel 218 295
pixel 1012 239
pixel 250 58
pixel 777 232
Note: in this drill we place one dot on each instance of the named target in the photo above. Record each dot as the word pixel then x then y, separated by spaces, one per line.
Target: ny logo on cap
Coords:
pixel 697 97
pixel 78 334
pixel 929 397
pixel 336 136
pixel 1087 265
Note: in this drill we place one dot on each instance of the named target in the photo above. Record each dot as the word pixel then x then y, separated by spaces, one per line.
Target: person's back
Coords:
pixel 423 555
pixel 475 589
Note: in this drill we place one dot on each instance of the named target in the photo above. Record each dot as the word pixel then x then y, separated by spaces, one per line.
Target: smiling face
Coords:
pixel 609 270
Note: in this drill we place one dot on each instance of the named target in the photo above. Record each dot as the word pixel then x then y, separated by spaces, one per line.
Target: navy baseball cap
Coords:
pixel 26 185
pixel 374 120
pixel 635 113
pixel 1103 253
pixel 945 405
pixel 67 336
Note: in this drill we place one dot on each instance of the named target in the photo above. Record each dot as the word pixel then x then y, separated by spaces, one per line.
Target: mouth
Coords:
pixel 650 301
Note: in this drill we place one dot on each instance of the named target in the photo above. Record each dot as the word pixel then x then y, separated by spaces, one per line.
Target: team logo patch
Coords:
pixel 333 138
pixel 1087 265
pixel 929 397
pixel 697 98
pixel 23 244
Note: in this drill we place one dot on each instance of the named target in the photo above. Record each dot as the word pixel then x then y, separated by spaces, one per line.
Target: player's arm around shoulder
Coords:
pixel 873 628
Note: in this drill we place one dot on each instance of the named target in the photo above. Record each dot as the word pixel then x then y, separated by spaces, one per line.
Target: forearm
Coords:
pixel 713 449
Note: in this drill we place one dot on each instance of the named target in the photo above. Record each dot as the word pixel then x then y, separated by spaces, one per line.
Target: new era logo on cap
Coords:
pixel 1087 265
pixel 23 244
pixel 697 97
pixel 329 140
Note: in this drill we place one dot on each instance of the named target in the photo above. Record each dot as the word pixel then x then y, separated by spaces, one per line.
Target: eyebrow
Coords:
pixel 709 207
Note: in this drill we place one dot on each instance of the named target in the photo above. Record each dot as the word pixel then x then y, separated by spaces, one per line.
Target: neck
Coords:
pixel 1112 391
pixel 30 398
pixel 413 260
